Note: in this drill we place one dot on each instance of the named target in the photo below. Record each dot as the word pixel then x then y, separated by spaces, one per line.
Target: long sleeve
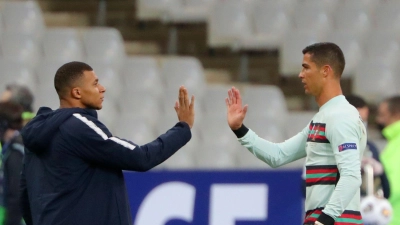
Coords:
pixel 276 154
pixel 24 199
pixel 93 144
pixel 13 169
pixel 347 138
pixel 382 177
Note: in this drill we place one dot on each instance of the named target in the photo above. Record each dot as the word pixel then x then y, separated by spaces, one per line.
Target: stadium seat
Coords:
pixel 291 55
pixel 216 155
pixel 46 71
pixel 187 11
pixel 46 96
pixel 141 104
pixel 109 78
pixel 22 48
pixel 105 46
pixel 312 16
pixel 353 18
pixel 271 22
pixel 383 47
pixel 187 71
pixel 268 128
pixel 352 49
pixel 214 100
pixel 167 102
pixel 387 17
pixel 151 9
pixel 110 116
pixel 62 44
pixel 266 101
pixel 297 121
pixel 134 129
pixel 215 130
pixel 142 73
pixel 23 17
pixel 15 72
pixel 375 81
pixel 228 21
pixel 368 5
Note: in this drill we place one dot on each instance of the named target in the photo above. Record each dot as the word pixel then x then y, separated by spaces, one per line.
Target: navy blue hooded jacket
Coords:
pixel 73 166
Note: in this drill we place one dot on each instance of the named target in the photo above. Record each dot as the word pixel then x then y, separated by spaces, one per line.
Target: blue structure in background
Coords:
pixel 284 198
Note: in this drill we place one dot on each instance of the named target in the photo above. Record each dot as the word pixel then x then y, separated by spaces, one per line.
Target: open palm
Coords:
pixel 235 111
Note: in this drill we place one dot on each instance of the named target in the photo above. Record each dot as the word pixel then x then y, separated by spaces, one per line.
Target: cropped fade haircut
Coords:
pixel 394 104
pixel 67 75
pixel 327 53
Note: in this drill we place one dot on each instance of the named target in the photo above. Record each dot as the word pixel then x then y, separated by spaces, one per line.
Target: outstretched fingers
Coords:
pixel 181 97
pixel 191 102
pixel 238 98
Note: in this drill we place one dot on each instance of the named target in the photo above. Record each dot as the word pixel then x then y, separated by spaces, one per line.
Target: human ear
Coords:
pixel 76 93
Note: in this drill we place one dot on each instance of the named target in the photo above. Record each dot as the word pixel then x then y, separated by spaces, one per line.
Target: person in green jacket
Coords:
pixel 388 118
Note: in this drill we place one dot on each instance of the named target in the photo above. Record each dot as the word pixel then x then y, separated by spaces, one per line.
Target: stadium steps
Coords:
pixel 151 38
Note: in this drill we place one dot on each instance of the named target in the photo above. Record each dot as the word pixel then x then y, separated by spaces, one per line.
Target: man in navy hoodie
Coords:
pixel 73 165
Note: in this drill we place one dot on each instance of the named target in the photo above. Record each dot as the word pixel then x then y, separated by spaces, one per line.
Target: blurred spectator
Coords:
pixel 371 153
pixel 389 119
pixel 21 95
pixel 12 156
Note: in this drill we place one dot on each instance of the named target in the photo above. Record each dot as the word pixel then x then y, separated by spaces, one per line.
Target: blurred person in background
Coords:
pixel 332 143
pixel 371 153
pixel 12 157
pixel 388 118
pixel 21 95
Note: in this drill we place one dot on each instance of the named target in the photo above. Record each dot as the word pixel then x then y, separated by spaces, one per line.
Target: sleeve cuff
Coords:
pixel 325 219
pixel 241 131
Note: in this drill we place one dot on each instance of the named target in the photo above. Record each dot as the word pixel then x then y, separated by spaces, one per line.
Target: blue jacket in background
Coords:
pixel 73 166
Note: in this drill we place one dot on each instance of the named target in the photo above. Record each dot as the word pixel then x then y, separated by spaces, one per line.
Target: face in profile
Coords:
pixel 383 116
pixel 5 96
pixel 310 76
pixel 91 91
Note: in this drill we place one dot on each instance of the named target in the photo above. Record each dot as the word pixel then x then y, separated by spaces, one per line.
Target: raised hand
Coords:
pixel 235 111
pixel 185 109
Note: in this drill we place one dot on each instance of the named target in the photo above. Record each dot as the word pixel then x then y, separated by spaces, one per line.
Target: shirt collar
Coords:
pixel 333 101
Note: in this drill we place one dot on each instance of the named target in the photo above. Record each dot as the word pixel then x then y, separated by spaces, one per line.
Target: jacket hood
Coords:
pixel 38 133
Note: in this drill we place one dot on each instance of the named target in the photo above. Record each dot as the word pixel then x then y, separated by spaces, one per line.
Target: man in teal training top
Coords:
pixel 333 141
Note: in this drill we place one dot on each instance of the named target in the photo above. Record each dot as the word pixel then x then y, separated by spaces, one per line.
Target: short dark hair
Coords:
pixel 327 53
pixel 356 101
pixel 394 104
pixel 11 113
pixel 21 95
pixel 67 74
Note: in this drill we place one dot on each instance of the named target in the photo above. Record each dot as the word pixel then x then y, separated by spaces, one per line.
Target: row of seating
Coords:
pixel 104 47
pixel 261 24
pixel 99 45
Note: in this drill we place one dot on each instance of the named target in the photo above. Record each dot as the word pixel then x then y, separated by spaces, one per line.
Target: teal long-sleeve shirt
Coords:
pixel 333 143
